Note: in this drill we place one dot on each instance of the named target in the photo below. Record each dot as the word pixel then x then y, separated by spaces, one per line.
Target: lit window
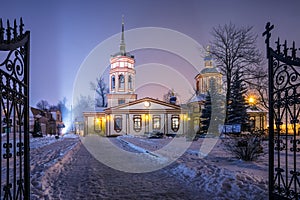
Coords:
pixel 121 82
pixel 118 123
pixel 137 123
pixel 156 122
pixel 175 123
pixel 97 124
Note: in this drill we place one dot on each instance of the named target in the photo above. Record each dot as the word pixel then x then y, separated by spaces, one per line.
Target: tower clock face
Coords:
pixel 147 104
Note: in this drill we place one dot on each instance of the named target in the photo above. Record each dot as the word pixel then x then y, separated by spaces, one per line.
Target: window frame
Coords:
pixel 130 86
pixel 121 82
pixel 118 127
pixel 137 119
pixel 113 82
pixel 97 124
pixel 155 117
pixel 175 127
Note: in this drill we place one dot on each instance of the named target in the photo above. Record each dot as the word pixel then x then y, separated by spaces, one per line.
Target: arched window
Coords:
pixel 118 123
pixel 129 82
pixel 97 124
pixel 113 82
pixel 121 82
pixel 156 122
pixel 175 123
pixel 137 123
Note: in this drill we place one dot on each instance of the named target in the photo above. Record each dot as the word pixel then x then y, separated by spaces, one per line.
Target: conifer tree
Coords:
pixel 237 105
pixel 205 115
pixel 217 108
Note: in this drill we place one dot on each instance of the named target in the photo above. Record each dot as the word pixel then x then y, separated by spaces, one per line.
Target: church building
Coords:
pixel 126 114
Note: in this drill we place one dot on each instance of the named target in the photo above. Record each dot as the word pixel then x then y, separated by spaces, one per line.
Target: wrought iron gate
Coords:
pixel 14 108
pixel 284 115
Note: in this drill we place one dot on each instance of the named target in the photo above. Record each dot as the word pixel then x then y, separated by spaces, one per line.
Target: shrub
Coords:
pixel 245 147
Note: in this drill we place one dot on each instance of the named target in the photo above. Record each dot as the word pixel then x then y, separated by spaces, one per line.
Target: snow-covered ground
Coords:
pixel 218 174
pixel 48 156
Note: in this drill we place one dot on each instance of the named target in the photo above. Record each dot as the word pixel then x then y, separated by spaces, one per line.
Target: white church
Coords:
pixel 126 114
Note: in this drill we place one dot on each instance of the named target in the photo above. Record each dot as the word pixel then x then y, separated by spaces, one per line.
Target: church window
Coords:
pixel 175 123
pixel 137 123
pixel 118 123
pixel 97 124
pixel 121 101
pixel 113 82
pixel 156 122
pixel 121 64
pixel 121 82
pixel 129 82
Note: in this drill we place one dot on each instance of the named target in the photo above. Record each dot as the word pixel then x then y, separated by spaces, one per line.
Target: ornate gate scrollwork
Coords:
pixel 14 108
pixel 284 115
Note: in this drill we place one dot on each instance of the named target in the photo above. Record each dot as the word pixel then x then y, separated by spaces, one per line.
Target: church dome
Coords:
pixel 209 70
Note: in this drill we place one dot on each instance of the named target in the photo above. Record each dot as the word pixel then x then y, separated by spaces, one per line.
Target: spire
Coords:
pixel 122 44
pixel 208 58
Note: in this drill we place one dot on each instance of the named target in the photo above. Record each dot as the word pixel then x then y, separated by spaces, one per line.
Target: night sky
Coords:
pixel 64 32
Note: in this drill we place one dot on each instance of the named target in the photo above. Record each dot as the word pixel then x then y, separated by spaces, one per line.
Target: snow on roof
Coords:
pixel 197 98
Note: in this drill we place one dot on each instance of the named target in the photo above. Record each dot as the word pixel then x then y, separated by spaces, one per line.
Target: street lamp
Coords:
pixel 251 100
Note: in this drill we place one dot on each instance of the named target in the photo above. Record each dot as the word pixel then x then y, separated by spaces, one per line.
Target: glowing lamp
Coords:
pixel 251 100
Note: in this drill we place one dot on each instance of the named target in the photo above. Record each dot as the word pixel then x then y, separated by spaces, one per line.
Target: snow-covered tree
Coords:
pixel 205 114
pixel 213 113
pixel 83 103
pixel 237 104
pixel 217 107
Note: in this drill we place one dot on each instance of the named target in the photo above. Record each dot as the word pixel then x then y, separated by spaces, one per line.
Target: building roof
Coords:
pixel 154 104
pixel 209 70
pixel 197 98
pixel 255 109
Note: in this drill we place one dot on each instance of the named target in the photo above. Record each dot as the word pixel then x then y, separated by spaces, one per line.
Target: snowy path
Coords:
pixel 87 178
pixel 48 155
pixel 65 169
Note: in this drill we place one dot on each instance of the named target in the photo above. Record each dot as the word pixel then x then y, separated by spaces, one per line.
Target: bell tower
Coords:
pixel 208 76
pixel 121 76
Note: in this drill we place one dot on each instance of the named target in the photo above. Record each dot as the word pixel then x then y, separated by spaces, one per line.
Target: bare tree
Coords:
pixel 101 89
pixel 43 105
pixel 259 86
pixel 234 48
pixel 83 103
